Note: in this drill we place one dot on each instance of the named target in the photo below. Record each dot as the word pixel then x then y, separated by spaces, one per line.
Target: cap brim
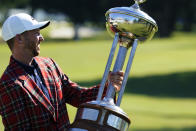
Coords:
pixel 40 25
pixel 44 24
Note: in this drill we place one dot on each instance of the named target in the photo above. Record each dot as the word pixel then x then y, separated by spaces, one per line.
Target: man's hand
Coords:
pixel 116 79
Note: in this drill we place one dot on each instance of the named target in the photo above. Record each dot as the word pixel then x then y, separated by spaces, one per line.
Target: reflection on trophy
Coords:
pixel 128 26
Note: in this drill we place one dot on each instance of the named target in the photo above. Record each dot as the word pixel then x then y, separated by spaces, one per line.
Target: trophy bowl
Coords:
pixel 130 22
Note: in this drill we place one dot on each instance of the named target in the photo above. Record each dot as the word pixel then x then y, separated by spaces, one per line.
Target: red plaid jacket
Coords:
pixel 23 106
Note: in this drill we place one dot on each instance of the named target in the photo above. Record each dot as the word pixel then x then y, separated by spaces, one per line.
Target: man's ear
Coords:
pixel 18 38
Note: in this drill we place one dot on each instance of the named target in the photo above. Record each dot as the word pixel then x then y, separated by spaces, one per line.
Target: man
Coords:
pixel 34 90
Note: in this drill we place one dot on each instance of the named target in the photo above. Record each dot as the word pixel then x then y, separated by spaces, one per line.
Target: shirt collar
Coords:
pixel 28 68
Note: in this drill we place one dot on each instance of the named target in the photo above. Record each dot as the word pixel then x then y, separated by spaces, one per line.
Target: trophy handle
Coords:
pixel 108 65
pixel 124 45
pixel 128 68
pixel 117 67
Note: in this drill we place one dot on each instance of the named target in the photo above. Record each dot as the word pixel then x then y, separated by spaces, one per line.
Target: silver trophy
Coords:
pixel 128 26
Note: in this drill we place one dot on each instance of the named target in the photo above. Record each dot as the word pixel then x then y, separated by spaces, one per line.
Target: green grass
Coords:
pixel 160 93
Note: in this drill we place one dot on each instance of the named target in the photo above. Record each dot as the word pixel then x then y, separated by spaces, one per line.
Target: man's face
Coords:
pixel 32 40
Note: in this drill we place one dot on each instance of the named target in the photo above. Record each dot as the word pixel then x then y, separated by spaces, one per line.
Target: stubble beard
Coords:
pixel 33 48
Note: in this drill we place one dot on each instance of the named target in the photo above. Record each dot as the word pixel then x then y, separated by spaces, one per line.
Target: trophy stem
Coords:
pixel 107 69
pixel 117 67
pixel 128 68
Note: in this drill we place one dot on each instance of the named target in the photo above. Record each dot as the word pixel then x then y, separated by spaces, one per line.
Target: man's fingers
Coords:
pixel 117 82
pixel 116 79
pixel 121 73
pixel 117 75
pixel 117 87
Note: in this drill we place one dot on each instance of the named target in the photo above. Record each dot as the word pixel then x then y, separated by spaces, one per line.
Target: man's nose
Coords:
pixel 41 38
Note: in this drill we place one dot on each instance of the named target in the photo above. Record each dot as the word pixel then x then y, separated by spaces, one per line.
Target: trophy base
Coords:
pixel 100 116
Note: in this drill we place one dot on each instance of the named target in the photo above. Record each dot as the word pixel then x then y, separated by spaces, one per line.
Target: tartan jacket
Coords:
pixel 23 106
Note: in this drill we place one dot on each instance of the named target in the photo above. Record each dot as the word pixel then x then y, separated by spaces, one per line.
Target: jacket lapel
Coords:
pixel 32 87
pixel 49 81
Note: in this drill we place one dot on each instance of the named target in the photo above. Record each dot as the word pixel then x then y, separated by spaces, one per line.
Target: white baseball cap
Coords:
pixel 19 23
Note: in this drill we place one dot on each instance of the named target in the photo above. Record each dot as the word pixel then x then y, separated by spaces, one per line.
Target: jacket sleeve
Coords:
pixel 75 94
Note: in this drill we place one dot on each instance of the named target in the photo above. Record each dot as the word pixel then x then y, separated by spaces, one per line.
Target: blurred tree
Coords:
pixel 165 12
pixel 168 12
pixel 13 3
pixel 79 11
pixel 188 14
pixel 8 4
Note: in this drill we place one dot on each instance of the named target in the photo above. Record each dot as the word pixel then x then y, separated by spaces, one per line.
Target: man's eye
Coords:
pixel 37 33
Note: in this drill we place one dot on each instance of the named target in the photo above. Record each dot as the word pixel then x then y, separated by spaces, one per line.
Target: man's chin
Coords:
pixel 36 54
